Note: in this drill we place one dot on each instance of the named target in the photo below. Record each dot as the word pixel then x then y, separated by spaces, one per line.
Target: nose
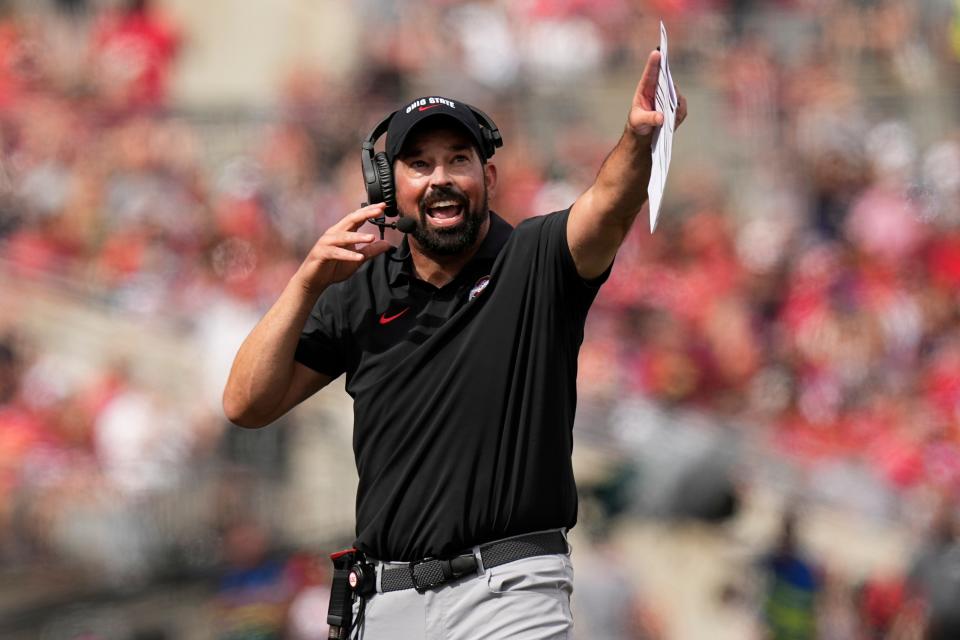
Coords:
pixel 440 175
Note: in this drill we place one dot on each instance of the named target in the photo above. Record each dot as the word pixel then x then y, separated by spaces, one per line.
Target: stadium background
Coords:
pixel 787 342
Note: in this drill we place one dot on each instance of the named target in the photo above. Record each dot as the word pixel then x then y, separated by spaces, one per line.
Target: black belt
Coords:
pixel 433 572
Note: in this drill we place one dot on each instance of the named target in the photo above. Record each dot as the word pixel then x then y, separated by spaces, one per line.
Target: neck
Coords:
pixel 440 270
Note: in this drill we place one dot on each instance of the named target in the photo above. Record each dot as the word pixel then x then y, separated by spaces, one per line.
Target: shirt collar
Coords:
pixel 400 266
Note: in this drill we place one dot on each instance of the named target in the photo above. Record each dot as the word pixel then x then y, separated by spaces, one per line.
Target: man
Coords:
pixel 793 587
pixel 460 350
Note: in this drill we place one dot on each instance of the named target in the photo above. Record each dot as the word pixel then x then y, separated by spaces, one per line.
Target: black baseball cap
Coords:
pixel 412 114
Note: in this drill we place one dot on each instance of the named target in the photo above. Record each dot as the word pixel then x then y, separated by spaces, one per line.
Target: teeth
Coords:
pixel 444 210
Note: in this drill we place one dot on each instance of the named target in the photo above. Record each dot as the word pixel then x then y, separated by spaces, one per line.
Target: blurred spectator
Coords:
pixel 255 588
pixel 888 611
pixel 837 618
pixel 307 618
pixel 607 602
pixel 935 573
pixel 793 587
pixel 133 51
pixel 142 445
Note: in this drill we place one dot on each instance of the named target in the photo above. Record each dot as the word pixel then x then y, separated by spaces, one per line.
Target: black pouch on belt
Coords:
pixel 352 578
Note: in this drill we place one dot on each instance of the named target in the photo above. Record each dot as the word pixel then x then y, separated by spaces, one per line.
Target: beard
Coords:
pixel 448 241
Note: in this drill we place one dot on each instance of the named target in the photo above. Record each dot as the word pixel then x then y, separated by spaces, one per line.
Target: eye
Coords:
pixel 460 159
pixel 418 164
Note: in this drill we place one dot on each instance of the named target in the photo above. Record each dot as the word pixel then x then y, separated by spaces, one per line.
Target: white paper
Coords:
pixel 662 135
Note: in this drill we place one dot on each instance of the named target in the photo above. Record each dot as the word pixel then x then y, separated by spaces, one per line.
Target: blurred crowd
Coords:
pixel 807 290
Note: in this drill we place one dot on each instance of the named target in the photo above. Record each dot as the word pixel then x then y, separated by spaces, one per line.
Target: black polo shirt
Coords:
pixel 464 395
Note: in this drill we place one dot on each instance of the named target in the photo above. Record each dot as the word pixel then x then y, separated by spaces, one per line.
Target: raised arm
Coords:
pixel 265 381
pixel 602 215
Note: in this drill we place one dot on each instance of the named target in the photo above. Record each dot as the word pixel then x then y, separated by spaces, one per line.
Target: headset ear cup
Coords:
pixel 385 178
pixel 492 140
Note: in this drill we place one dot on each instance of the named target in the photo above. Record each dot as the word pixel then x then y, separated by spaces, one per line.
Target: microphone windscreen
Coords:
pixel 406 225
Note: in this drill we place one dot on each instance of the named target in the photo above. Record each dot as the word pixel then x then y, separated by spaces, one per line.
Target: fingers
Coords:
pixel 374 249
pixel 353 221
pixel 681 109
pixel 644 100
pixel 340 253
pixel 643 121
pixel 356 254
pixel 342 249
pixel 654 118
pixel 645 95
pixel 343 238
pixel 339 243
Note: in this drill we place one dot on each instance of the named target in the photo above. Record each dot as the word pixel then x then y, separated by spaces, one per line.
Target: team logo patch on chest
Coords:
pixel 478 288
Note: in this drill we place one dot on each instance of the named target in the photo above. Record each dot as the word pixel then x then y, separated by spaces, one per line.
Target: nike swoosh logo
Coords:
pixel 429 107
pixel 385 319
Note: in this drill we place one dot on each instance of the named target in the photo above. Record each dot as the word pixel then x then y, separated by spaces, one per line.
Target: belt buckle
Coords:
pixel 450 569
pixel 424 587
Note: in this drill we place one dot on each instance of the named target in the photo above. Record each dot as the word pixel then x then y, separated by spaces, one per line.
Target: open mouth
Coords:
pixel 445 213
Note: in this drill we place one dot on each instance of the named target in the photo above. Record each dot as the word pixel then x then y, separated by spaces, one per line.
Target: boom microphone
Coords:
pixel 403 225
pixel 406 225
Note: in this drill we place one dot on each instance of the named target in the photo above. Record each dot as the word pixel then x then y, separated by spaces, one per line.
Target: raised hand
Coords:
pixel 643 111
pixel 342 249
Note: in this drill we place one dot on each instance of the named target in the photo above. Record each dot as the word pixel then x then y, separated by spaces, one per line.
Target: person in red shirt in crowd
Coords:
pixel 134 50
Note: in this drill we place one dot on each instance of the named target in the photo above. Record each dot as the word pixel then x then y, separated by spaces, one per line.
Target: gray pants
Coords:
pixel 526 599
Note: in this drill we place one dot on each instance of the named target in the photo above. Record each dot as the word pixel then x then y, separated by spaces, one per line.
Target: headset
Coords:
pixel 378 174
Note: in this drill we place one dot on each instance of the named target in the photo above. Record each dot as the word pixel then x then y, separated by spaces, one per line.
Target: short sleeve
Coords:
pixel 559 259
pixel 559 228
pixel 323 340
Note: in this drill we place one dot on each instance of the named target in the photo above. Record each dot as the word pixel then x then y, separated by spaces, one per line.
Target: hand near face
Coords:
pixel 342 249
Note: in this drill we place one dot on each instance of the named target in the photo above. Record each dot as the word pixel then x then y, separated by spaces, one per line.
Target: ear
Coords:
pixel 490 178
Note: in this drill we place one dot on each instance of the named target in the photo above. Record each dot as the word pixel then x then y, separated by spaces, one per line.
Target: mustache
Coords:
pixel 439 194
